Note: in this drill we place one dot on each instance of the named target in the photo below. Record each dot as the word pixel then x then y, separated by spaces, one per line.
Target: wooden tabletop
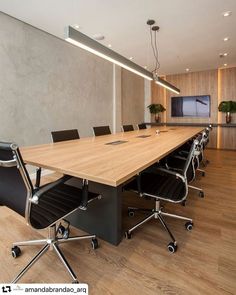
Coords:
pixel 95 160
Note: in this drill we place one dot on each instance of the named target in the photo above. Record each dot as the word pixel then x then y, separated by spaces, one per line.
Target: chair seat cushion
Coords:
pixel 55 204
pixel 163 186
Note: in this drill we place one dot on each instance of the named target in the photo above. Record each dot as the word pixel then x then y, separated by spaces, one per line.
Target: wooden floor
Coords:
pixel 205 262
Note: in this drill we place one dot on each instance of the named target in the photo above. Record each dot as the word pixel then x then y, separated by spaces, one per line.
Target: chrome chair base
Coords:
pixel 200 190
pixel 52 243
pixel 157 213
pixel 203 172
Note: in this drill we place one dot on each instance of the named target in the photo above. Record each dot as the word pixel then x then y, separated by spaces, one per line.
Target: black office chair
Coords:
pixel 142 126
pixel 57 136
pixel 42 207
pixel 101 130
pixel 72 134
pixel 200 159
pixel 206 138
pixel 63 135
pixel 177 163
pixel 162 185
pixel 126 128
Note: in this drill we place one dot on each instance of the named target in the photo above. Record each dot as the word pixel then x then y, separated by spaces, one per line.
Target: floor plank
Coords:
pixel 205 262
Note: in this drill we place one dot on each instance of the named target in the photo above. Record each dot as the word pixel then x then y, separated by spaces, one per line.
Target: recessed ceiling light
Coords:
pixel 227 13
pixel 223 54
pixel 76 26
pixel 225 65
pixel 131 58
pixel 187 70
pixel 98 37
pixel 109 45
pixel 226 39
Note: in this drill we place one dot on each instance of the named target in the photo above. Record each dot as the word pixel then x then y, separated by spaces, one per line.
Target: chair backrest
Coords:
pixel 189 167
pixel 206 135
pixel 101 130
pixel 15 184
pixel 142 126
pixel 128 128
pixel 64 135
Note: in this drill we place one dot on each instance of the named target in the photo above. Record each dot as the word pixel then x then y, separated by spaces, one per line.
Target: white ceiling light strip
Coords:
pixel 167 85
pixel 79 39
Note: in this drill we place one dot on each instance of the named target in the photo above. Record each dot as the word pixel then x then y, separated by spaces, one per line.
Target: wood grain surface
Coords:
pixel 205 263
pixel 95 160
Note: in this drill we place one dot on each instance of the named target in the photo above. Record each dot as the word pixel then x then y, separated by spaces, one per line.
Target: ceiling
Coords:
pixel 191 31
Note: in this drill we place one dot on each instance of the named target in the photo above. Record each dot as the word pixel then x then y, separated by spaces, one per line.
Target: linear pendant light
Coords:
pixel 81 40
pixel 167 85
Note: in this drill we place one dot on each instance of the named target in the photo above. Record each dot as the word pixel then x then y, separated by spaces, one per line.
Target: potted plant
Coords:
pixel 227 107
pixel 155 109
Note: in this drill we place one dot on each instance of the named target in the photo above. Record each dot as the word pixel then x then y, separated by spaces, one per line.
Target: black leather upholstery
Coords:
pixel 165 186
pixel 128 128
pixel 101 130
pixel 13 191
pixel 64 135
pixel 54 202
pixel 178 165
pixel 142 126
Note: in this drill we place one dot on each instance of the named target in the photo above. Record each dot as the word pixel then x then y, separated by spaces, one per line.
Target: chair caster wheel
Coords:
pixel 128 235
pixel 64 232
pixel 201 194
pixel 131 213
pixel 94 243
pixel 189 225
pixel 15 251
pixel 172 247
pixel 75 282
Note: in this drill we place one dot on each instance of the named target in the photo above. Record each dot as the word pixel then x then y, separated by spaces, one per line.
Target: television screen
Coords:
pixel 190 106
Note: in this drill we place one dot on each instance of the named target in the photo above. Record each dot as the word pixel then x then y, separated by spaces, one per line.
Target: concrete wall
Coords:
pixel 48 84
pixel 132 98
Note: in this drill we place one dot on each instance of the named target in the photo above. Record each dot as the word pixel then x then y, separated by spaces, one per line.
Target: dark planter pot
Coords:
pixel 157 118
pixel 228 117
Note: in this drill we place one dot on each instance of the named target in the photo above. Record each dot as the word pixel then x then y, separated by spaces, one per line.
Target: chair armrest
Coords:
pixel 39 192
pixel 8 164
pixel 174 169
pixel 38 177
pixel 172 173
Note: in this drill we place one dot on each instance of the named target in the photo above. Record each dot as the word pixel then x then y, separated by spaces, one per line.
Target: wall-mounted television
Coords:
pixel 191 106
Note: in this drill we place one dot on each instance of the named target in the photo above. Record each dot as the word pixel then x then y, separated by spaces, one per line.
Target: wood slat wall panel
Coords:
pixel 227 89
pixel 227 136
pixel 197 83
pixel 220 84
pixel 159 96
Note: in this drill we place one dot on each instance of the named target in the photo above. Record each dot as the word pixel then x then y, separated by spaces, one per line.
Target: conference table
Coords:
pixel 107 162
